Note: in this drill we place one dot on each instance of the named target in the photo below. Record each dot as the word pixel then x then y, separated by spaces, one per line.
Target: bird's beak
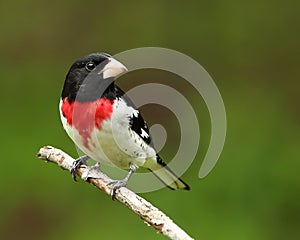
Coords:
pixel 113 68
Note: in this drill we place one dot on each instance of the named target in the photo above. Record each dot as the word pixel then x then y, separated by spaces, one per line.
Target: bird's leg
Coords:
pixel 76 164
pixel 121 183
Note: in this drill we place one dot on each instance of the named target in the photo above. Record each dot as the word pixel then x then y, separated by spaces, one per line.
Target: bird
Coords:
pixel 104 123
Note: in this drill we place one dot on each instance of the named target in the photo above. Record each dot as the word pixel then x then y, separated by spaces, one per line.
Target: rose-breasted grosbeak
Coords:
pixel 104 123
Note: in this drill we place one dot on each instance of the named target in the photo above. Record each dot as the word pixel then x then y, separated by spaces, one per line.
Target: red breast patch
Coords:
pixel 86 116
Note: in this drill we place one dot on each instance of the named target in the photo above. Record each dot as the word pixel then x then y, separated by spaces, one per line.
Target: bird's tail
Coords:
pixel 165 174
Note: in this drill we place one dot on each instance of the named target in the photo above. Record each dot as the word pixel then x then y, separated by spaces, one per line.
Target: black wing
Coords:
pixel 137 123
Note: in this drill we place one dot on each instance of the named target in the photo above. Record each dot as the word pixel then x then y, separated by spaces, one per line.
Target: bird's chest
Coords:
pixel 83 118
pixel 101 130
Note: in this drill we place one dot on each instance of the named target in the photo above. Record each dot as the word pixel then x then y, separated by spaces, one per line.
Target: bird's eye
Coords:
pixel 90 66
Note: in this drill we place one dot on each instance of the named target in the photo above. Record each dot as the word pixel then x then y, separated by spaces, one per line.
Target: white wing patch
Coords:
pixel 144 134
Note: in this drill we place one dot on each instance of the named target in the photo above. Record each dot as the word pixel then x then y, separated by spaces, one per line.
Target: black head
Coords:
pixel 92 77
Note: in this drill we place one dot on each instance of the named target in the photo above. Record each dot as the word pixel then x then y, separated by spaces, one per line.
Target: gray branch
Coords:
pixel 151 215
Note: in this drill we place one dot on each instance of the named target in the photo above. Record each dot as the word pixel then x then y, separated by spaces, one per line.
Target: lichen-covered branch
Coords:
pixel 145 210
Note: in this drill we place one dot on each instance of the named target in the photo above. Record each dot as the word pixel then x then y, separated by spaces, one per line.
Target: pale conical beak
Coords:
pixel 113 68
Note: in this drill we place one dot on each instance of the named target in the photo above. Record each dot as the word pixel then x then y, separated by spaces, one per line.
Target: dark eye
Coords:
pixel 90 66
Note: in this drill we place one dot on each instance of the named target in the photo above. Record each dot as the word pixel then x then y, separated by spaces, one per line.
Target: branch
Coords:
pixel 145 210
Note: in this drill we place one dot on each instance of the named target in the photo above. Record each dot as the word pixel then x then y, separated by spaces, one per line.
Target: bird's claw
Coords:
pixel 117 184
pixel 76 164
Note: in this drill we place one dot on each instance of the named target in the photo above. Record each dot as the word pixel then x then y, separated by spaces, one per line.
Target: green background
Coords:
pixel 251 49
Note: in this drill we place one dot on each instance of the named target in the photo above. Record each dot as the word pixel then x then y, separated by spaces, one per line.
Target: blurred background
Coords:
pixel 251 50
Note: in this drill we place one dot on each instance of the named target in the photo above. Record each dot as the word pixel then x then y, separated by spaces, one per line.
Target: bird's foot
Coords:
pixel 77 164
pixel 117 184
